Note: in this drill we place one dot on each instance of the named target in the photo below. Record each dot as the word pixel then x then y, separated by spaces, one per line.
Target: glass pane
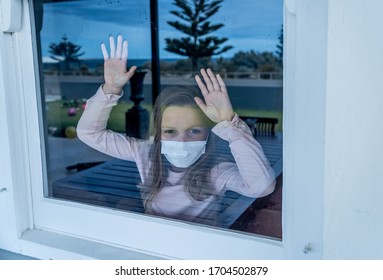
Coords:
pixel 222 185
pixel 250 62
pixel 72 70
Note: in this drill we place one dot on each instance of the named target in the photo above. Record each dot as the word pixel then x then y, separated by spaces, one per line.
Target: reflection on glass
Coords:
pixel 241 43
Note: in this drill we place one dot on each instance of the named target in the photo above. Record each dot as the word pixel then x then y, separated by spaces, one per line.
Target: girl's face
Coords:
pixel 184 124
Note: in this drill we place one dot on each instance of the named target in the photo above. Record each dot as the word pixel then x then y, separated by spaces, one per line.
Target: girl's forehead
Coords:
pixel 183 116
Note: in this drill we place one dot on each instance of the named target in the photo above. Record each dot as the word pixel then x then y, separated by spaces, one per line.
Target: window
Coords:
pixel 304 71
pixel 72 71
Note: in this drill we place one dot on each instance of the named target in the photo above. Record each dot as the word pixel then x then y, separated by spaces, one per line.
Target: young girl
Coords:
pixel 183 171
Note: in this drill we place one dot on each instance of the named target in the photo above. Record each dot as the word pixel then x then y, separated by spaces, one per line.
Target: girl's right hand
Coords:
pixel 115 72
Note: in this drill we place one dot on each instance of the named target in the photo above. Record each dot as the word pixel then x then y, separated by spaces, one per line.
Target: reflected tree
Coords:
pixel 279 51
pixel 65 52
pixel 195 24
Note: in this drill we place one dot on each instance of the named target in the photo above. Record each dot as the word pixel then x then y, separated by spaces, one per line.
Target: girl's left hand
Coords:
pixel 217 106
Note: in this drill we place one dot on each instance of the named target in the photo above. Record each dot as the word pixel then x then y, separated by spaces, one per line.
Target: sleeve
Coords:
pixel 251 174
pixel 92 128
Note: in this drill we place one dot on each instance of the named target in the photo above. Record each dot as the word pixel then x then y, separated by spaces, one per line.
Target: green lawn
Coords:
pixel 57 116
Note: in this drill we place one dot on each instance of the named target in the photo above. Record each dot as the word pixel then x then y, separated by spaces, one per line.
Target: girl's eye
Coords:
pixel 194 131
pixel 168 131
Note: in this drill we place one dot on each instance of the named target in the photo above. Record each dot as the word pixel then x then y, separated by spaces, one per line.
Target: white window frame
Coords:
pixel 49 228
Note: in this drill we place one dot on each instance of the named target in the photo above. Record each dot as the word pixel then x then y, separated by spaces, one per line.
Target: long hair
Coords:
pixel 197 183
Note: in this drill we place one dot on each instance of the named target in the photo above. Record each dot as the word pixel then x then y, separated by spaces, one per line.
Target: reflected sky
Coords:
pixel 249 25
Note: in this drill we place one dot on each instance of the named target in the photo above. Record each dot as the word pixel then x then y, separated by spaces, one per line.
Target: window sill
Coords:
pixel 44 244
pixel 7 255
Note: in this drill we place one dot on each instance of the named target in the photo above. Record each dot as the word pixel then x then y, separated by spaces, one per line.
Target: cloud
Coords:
pixel 254 24
pixel 110 11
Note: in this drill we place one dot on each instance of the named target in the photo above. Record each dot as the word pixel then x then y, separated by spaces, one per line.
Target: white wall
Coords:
pixel 354 138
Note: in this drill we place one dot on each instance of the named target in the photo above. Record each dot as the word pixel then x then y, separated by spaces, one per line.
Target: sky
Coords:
pixel 248 24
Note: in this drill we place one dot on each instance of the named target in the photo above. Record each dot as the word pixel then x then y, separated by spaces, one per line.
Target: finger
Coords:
pixel 200 104
pixel 207 80
pixel 119 47
pixel 104 51
pixel 201 86
pixel 213 79
pixel 124 54
pixel 112 47
pixel 221 83
pixel 131 72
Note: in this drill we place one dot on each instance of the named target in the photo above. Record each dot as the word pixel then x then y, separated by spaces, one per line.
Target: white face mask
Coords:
pixel 182 154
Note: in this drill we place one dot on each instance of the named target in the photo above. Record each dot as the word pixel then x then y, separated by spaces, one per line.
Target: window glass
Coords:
pixel 223 179
pixel 72 70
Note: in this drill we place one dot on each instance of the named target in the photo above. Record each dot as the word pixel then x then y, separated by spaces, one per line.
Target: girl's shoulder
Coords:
pixel 141 146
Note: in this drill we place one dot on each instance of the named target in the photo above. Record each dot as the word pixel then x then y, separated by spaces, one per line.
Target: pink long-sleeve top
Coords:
pixel 250 175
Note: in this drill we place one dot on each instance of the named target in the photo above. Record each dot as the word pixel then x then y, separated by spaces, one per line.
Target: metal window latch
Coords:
pixel 307 248
pixel 3 189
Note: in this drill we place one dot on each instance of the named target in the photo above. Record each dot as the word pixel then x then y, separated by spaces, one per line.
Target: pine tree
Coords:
pixel 279 51
pixel 195 15
pixel 65 52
